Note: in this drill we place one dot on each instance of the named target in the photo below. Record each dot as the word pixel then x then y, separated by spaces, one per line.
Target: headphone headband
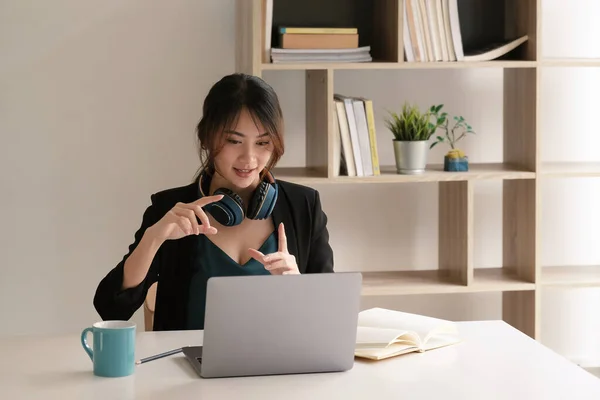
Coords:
pixel 229 211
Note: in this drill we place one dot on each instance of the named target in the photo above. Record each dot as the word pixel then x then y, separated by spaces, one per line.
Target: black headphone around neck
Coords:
pixel 229 211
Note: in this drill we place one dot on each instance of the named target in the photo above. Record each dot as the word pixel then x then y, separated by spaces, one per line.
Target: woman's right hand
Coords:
pixel 180 221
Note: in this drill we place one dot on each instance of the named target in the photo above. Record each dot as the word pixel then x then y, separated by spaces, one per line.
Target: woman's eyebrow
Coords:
pixel 242 135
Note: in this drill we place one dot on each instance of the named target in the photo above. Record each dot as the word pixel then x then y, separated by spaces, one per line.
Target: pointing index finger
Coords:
pixel 257 255
pixel 208 199
pixel 282 239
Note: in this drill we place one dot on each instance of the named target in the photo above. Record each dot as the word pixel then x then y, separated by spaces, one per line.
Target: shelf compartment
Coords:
pixel 498 280
pixel 494 21
pixel 434 173
pixel 389 283
pixel 570 169
pixel 381 26
pixel 576 275
pixel 377 65
pixel 377 22
pixel 409 282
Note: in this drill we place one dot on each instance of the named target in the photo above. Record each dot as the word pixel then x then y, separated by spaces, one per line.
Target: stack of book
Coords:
pixel 311 44
pixel 355 143
pixel 432 32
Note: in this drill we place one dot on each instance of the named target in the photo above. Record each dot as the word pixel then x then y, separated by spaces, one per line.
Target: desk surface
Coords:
pixel 494 361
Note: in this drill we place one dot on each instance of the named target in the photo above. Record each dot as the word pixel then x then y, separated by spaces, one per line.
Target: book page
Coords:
pixel 381 337
pixel 402 322
pixel 440 340
pixel 375 353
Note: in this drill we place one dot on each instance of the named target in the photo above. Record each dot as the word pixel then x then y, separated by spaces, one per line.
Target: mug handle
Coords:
pixel 84 342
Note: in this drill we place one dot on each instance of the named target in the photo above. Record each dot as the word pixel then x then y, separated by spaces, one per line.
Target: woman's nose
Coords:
pixel 248 154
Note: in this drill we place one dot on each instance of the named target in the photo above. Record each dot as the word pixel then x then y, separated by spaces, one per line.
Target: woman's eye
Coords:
pixel 232 141
pixel 263 143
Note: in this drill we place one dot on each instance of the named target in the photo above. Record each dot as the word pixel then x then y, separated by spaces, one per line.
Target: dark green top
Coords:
pixel 215 262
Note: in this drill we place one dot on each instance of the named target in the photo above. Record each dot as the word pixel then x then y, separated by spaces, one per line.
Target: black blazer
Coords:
pixel 297 206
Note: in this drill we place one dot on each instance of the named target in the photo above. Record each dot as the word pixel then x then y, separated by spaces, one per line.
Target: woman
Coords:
pixel 233 219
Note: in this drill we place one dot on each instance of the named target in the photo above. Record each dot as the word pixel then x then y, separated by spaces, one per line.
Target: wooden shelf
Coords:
pixel 570 62
pixel 434 173
pixel 570 169
pixel 576 275
pixel 381 25
pixel 499 279
pixel 408 282
pixel 436 282
pixel 396 65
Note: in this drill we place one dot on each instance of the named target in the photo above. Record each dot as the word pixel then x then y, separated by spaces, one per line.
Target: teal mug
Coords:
pixel 113 349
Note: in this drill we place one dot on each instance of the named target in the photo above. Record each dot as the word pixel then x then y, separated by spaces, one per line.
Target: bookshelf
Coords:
pixel 521 277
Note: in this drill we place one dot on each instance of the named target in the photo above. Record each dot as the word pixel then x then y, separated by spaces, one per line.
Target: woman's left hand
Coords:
pixel 280 262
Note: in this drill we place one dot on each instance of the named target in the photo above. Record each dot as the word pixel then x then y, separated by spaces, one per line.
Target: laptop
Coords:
pixel 278 324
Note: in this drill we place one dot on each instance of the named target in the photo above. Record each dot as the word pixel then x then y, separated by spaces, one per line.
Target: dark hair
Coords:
pixel 221 110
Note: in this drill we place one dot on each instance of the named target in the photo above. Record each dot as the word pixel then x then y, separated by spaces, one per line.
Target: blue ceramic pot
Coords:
pixel 456 164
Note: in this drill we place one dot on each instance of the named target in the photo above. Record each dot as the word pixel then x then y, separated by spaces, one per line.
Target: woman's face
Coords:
pixel 246 152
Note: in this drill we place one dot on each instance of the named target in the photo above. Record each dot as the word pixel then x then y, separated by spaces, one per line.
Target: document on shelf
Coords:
pixel 384 333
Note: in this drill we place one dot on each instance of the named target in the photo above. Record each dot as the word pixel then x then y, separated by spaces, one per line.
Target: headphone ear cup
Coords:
pixel 270 200
pixel 262 202
pixel 257 200
pixel 228 211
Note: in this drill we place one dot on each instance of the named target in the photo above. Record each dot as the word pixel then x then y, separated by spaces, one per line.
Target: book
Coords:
pixel 495 50
pixel 317 41
pixel 448 30
pixel 353 131
pixel 361 54
pixel 318 30
pixel 384 333
pixel 456 34
pixel 267 16
pixel 339 167
pixel 372 135
pixel 346 142
pixel 439 12
pixel 362 131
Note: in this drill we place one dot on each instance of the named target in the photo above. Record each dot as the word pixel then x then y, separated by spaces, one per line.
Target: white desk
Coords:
pixel 495 361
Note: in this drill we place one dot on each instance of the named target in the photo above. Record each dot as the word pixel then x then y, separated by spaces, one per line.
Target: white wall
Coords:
pixel 570 231
pixel 98 103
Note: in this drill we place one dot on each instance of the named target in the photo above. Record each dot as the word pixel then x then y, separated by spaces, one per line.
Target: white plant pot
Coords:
pixel 411 156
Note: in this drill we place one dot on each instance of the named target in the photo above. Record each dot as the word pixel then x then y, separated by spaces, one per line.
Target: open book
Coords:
pixel 386 333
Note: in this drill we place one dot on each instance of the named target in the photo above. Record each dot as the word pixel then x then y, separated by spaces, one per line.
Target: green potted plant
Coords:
pixel 455 159
pixel 412 130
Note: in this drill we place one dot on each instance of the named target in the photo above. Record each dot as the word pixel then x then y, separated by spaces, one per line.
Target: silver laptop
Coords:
pixel 278 324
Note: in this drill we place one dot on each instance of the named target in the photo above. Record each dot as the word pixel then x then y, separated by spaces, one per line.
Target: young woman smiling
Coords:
pixel 234 218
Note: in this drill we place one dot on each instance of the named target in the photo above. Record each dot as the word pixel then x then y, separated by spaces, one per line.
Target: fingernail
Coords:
pixel 267 258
